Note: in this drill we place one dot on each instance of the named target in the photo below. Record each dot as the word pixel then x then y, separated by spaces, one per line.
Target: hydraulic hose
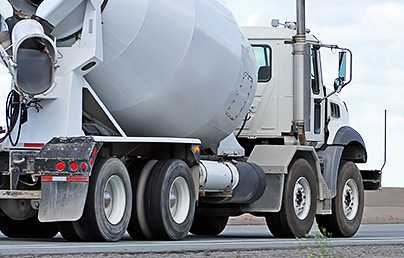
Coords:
pixel 13 117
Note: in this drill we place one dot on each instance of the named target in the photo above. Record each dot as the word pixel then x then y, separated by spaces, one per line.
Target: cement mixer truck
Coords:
pixel 160 118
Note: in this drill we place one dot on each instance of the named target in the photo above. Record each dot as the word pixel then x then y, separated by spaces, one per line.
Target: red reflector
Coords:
pixel 94 153
pixel 34 145
pixel 74 166
pixel 46 178
pixel 92 162
pixel 74 179
pixel 83 166
pixel 78 179
pixel 60 166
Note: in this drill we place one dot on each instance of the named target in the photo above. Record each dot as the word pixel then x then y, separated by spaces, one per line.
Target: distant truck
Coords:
pixel 160 118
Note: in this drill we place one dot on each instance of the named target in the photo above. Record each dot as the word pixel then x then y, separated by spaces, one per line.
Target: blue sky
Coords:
pixel 373 30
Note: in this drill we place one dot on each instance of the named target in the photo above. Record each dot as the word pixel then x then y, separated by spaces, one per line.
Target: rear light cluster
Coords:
pixel 74 166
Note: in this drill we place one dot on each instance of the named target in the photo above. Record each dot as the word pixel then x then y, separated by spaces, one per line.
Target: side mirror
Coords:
pixel 264 74
pixel 342 65
pixel 345 58
pixel 339 83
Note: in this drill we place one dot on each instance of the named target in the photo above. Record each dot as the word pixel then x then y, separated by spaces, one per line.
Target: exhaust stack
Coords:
pixel 299 73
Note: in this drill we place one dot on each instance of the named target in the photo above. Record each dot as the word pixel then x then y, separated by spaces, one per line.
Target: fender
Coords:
pixel 349 145
pixel 353 143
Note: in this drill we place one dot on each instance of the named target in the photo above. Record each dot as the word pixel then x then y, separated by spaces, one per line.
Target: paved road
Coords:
pixel 234 238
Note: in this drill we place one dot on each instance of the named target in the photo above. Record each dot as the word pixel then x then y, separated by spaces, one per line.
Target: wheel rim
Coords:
pixel 350 199
pixel 114 199
pixel 179 200
pixel 302 198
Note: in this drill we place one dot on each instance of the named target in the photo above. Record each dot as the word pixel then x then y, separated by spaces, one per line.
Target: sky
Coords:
pixel 373 30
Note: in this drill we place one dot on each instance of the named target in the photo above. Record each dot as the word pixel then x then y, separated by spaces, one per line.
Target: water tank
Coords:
pixel 175 69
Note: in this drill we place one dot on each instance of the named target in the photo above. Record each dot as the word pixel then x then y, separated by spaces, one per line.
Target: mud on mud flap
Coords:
pixel 65 165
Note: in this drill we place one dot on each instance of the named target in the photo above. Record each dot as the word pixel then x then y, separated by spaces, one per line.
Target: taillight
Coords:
pixel 74 166
pixel 60 166
pixel 84 166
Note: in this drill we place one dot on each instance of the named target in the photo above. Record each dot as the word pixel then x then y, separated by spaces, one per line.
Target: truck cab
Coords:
pixel 331 147
pixel 271 113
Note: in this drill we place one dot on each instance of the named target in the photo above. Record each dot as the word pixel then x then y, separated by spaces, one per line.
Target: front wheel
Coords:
pixel 296 217
pixel 347 206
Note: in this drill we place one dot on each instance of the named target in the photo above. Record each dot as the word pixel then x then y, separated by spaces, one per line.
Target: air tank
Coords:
pixel 175 69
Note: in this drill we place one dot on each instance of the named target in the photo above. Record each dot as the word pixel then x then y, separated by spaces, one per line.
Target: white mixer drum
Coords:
pixel 175 69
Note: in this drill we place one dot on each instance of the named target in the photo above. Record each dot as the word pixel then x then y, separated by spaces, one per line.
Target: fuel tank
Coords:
pixel 174 69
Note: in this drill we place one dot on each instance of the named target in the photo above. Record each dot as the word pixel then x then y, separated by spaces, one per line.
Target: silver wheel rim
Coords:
pixel 350 199
pixel 114 199
pixel 179 200
pixel 302 198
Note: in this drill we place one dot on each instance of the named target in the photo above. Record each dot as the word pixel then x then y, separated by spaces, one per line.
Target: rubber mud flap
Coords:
pixel 62 201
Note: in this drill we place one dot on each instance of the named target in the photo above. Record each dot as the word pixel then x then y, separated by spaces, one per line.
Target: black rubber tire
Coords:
pixel 160 221
pixel 134 229
pixel 94 225
pixel 29 228
pixel 208 225
pixel 285 223
pixel 68 232
pixel 337 225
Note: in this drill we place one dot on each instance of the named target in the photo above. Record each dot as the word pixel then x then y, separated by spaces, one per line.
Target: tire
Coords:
pixel 109 203
pixel 209 225
pixel 68 232
pixel 29 228
pixel 170 218
pixel 134 227
pixel 289 223
pixel 341 224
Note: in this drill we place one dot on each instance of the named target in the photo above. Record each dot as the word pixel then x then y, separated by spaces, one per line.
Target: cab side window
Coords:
pixel 263 54
pixel 315 78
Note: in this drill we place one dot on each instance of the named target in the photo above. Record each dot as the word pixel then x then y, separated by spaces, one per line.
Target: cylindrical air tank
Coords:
pixel 175 69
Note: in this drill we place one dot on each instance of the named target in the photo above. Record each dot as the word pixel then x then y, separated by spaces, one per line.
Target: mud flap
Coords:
pixel 64 191
pixel 62 201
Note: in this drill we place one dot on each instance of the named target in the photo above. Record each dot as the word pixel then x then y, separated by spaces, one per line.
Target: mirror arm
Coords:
pixel 332 47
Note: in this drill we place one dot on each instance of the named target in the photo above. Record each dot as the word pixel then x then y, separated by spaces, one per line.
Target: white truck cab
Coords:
pixel 272 111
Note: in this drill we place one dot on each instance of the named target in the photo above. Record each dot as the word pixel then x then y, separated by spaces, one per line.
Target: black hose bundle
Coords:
pixel 13 116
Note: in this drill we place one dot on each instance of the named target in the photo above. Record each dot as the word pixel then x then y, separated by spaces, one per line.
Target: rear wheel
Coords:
pixel 347 206
pixel 29 228
pixel 138 228
pixel 296 217
pixel 170 200
pixel 109 203
pixel 209 225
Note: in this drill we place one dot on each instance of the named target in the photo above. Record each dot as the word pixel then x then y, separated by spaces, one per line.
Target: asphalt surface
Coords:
pixel 239 238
